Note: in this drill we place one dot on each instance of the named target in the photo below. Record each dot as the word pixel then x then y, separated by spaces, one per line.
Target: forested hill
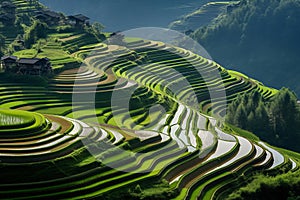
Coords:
pixel 259 38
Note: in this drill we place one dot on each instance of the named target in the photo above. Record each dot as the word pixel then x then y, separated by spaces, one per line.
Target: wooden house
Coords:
pixel 116 38
pixel 34 66
pixel 48 16
pixel 8 63
pixel 79 20
pixel 30 66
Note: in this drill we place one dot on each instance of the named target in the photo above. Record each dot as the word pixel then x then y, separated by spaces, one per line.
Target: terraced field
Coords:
pixel 202 16
pixel 131 114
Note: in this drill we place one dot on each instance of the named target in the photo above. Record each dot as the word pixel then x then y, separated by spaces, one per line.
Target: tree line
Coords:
pixel 276 121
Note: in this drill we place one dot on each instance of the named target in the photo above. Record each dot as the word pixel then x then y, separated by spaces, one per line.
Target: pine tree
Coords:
pixel 285 121
pixel 240 118
pixel 262 122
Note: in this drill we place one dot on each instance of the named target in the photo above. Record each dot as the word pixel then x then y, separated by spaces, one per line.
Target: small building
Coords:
pixel 29 66
pixel 48 16
pixel 79 20
pixel 8 63
pixel 116 38
pixel 34 66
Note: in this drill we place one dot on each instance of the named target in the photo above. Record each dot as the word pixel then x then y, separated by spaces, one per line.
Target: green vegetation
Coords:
pixel 163 146
pixel 147 190
pixel 37 31
pixel 29 37
pixel 256 37
pixel 9 118
pixel 275 121
pixel 286 186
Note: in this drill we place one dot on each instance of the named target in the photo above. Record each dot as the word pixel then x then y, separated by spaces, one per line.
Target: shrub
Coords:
pixel 64 29
pixel 37 31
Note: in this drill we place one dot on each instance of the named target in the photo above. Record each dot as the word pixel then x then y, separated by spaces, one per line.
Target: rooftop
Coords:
pixel 48 13
pixel 28 60
pixel 79 17
pixel 31 61
pixel 9 57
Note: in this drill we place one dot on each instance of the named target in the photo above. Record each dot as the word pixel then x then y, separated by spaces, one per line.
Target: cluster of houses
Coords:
pixel 8 16
pixel 34 66
pixel 54 18
pixel 26 66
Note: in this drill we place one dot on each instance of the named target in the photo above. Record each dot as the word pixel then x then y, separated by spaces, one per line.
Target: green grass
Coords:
pixel 57 56
pixel 240 132
pixel 28 53
pixel 132 39
pixel 23 126
pixel 15 118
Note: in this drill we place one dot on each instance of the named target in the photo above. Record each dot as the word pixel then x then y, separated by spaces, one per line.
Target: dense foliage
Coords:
pixel 258 37
pixel 286 186
pixel 37 31
pixel 276 121
pixel 2 44
pixel 146 190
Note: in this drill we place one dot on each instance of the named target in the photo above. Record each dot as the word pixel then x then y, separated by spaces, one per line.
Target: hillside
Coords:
pixel 200 17
pixel 183 146
pixel 30 35
pixel 259 38
pixel 130 118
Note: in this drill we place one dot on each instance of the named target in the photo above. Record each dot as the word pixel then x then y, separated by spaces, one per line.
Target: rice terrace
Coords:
pixel 87 114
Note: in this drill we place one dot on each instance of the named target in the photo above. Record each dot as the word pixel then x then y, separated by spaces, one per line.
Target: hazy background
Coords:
pixel 120 15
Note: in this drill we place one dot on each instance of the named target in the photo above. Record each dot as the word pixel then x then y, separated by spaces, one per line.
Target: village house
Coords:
pixel 78 20
pixel 48 16
pixel 8 63
pixel 116 38
pixel 34 66
pixel 28 66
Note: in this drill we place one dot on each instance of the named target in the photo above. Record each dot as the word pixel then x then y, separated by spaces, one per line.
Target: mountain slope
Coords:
pixel 201 17
pixel 130 148
pixel 259 38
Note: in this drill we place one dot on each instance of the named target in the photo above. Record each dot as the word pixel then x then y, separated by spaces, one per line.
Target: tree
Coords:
pixel 261 124
pixel 37 31
pixel 240 118
pixel 97 27
pixel 273 25
pixel 2 44
pixel 284 114
pixel 276 121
